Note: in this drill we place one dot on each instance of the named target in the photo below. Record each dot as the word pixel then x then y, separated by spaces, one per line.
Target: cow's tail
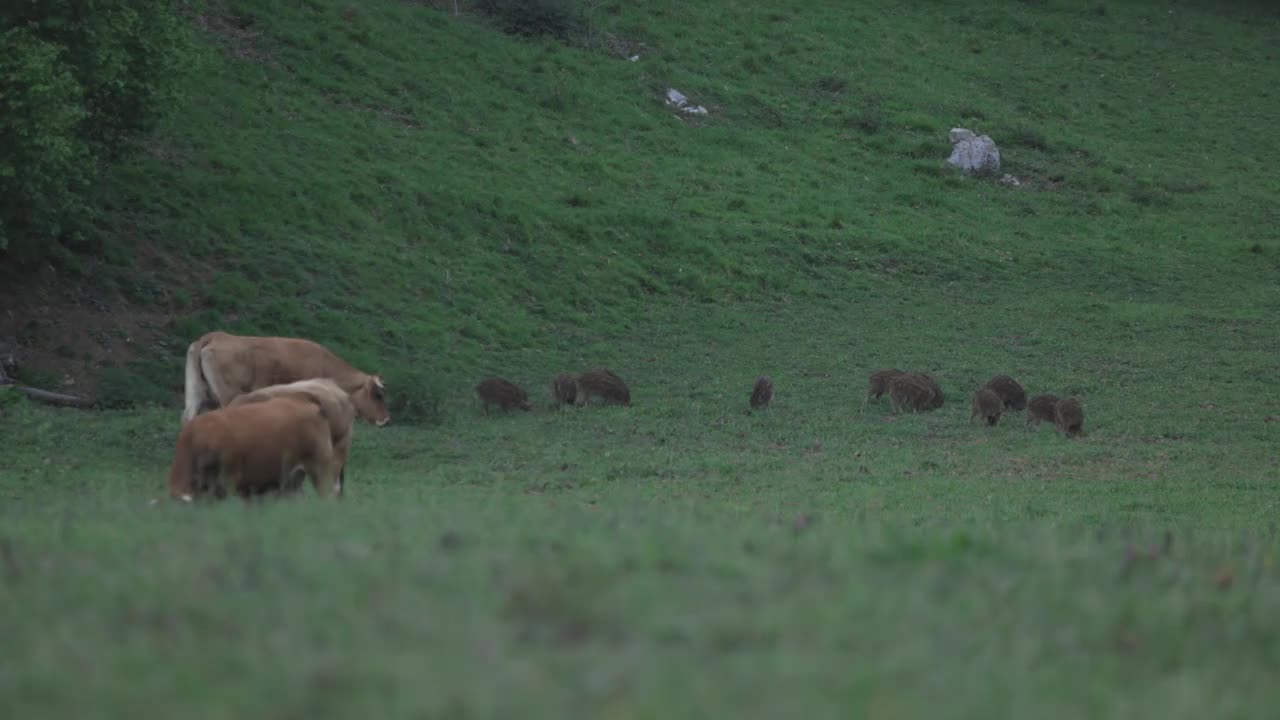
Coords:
pixel 196 389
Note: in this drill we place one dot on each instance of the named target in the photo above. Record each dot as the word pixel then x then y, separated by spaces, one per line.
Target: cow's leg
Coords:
pixel 324 478
pixel 341 452
pixel 324 469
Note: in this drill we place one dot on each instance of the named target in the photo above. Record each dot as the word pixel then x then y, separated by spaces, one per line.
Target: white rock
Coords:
pixel 677 98
pixel 1010 180
pixel 973 153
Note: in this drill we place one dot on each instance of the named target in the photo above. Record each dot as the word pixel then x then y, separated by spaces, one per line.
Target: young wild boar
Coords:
pixel 503 393
pixel 1010 392
pixel 878 384
pixel 986 405
pixel 762 393
pixel 911 391
pixel 1042 407
pixel 564 389
pixel 936 397
pixel 604 384
pixel 1069 417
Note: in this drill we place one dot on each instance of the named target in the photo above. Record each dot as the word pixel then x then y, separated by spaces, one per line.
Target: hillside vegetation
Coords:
pixel 439 200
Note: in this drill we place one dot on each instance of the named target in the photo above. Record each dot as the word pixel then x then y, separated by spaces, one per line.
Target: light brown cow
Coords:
pixel 221 367
pixel 335 405
pixel 254 449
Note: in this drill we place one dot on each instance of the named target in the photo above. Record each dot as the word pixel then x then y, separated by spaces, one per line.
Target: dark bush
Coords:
pixel 1028 137
pixel 868 118
pixel 10 398
pixel 79 80
pixel 44 162
pixel 415 397
pixel 561 19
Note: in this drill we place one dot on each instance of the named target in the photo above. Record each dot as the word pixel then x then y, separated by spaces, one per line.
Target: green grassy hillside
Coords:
pixel 439 200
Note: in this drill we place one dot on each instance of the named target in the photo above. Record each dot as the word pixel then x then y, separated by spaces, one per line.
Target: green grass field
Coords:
pixel 440 201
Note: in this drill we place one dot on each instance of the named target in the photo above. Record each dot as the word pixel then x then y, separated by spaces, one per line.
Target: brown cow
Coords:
pixel 335 405
pixel 221 367
pixel 253 449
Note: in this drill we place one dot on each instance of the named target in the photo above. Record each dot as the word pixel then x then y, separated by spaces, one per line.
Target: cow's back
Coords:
pixel 245 363
pixel 333 401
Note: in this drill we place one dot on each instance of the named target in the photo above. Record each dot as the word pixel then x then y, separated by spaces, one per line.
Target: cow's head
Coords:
pixel 370 400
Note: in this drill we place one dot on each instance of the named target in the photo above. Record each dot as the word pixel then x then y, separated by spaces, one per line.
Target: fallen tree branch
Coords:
pixel 53 398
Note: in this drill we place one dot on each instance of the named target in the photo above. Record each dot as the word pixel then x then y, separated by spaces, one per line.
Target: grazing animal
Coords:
pixel 564 389
pixel 986 405
pixel 762 393
pixel 221 367
pixel 335 405
pixel 253 449
pixel 935 398
pixel 1069 417
pixel 1010 392
pixel 1042 407
pixel 912 392
pixel 503 393
pixel 604 384
pixel 934 387
pixel 878 384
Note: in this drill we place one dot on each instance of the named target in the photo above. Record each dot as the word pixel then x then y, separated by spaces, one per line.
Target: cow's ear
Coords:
pixel 377 380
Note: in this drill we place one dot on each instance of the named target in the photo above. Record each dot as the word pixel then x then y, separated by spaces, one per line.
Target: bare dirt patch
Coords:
pixel 234 33
pixel 65 332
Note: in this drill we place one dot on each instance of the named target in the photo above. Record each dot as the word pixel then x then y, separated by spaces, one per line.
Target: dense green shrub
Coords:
pixel 10 397
pixel 562 19
pixel 125 386
pixel 79 79
pixel 415 397
pixel 44 163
